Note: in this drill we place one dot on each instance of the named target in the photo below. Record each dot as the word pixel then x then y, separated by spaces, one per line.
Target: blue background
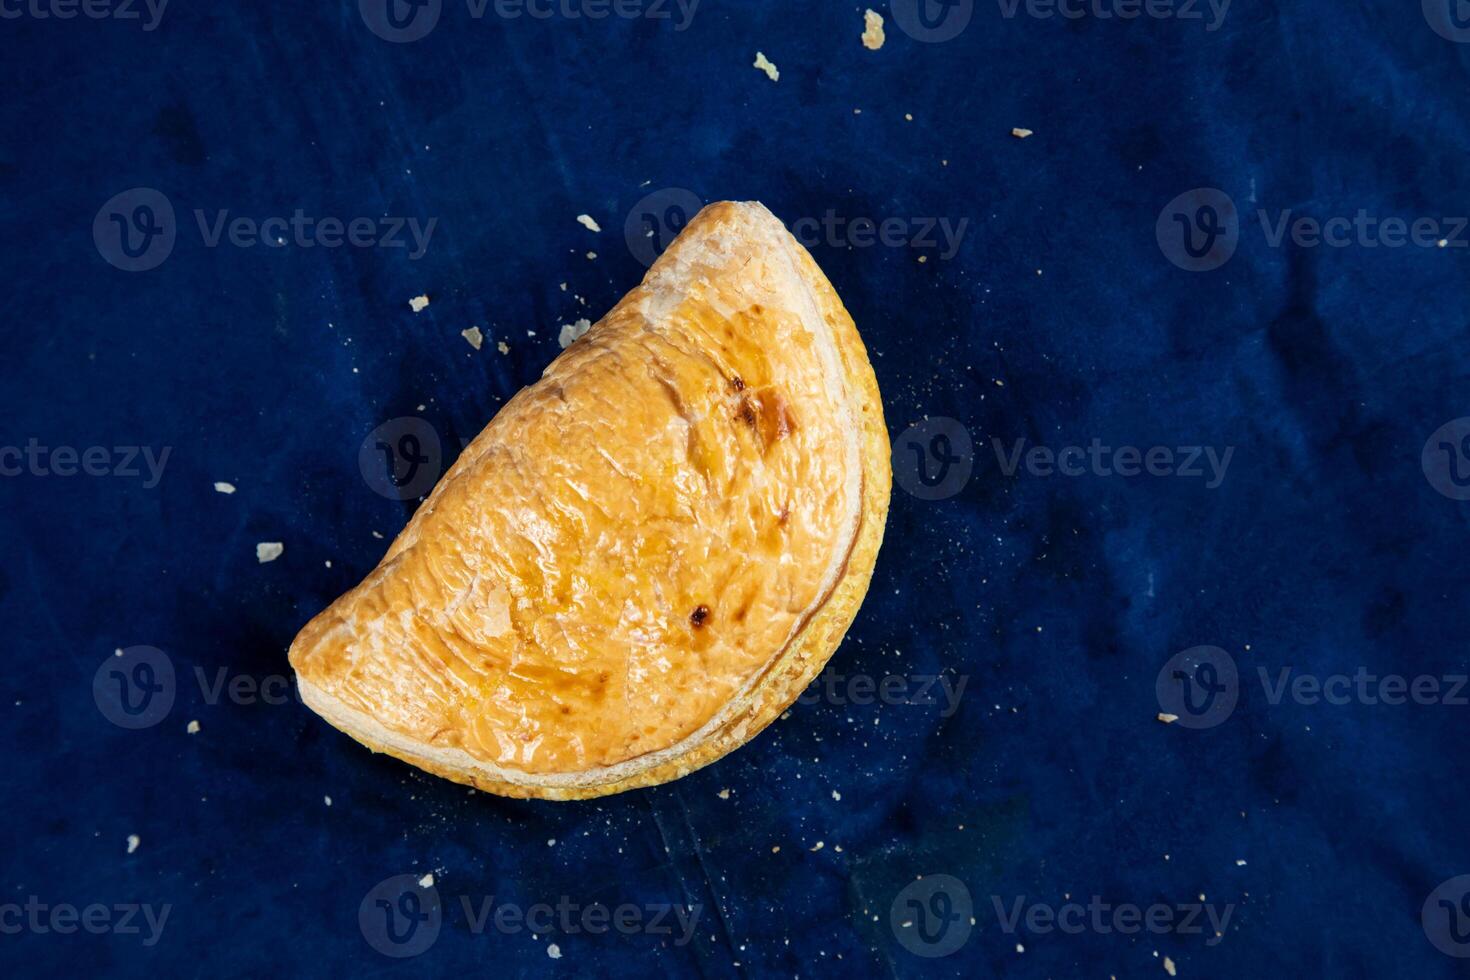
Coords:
pixel 1059 319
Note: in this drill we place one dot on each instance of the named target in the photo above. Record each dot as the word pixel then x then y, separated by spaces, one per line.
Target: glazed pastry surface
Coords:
pixel 633 538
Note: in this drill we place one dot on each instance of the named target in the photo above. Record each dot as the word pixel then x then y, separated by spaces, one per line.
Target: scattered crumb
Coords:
pixel 587 222
pixel 427 881
pixel 873 36
pixel 133 841
pixel 418 304
pixel 1442 243
pixel 572 332
pixel 192 728
pixel 908 117
pixel 1020 948
pixel 553 950
pixel 378 535
pixel 328 563
pixel 1020 134
pixel 723 794
pixel 776 849
pixel 221 487
pixel 551 842
pixel 327 800
pixel 1169 966
pixel 268 551
pixel 474 336
pixel 1167 718
pixel 1240 862
pixel 765 65
pixel 923 259
pixel 502 346
pixel 819 846
pixel 563 287
pixel 837 796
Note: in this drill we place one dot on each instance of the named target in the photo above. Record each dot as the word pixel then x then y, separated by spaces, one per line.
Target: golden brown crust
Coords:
pixel 778 683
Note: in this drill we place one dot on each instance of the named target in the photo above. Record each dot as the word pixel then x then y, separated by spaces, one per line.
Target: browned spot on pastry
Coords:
pixel 785 515
pixel 776 421
pixel 699 616
pixel 746 413
pixel 738 383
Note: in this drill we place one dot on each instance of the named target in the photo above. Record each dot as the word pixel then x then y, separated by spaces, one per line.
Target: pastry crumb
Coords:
pixel 1020 133
pixel 837 796
pixel 553 950
pixel 427 881
pixel 819 846
pixel 572 332
pixel 133 841
pixel 588 222
pixel 222 487
pixel 474 336
pixel 873 36
pixel 765 65
pixel 192 728
pixel 269 551
pixel 327 800
pixel 418 304
pixel 1167 718
pixel 723 794
pixel 1169 967
pixel 502 346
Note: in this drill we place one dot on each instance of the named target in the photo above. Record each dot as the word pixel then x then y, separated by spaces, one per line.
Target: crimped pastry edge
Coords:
pixel 767 695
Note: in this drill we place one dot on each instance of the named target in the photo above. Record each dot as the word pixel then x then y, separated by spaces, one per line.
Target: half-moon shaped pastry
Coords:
pixel 645 556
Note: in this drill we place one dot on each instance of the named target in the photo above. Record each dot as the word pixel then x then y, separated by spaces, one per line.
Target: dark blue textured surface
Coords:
pixel 1058 319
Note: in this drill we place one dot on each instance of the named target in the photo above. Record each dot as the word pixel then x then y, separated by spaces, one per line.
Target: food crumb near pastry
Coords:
pixel 133 841
pixel 427 881
pixel 588 222
pixel 554 951
pixel 1167 718
pixel 192 728
pixel 1020 133
pixel 502 346
pixel 1169 967
pixel 723 794
pixel 474 336
pixel 327 800
pixel 269 551
pixel 225 488
pixel 767 66
pixel 873 36
pixel 419 303
pixel 572 332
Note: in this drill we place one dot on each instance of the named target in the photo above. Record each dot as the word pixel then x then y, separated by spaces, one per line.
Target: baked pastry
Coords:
pixel 646 556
